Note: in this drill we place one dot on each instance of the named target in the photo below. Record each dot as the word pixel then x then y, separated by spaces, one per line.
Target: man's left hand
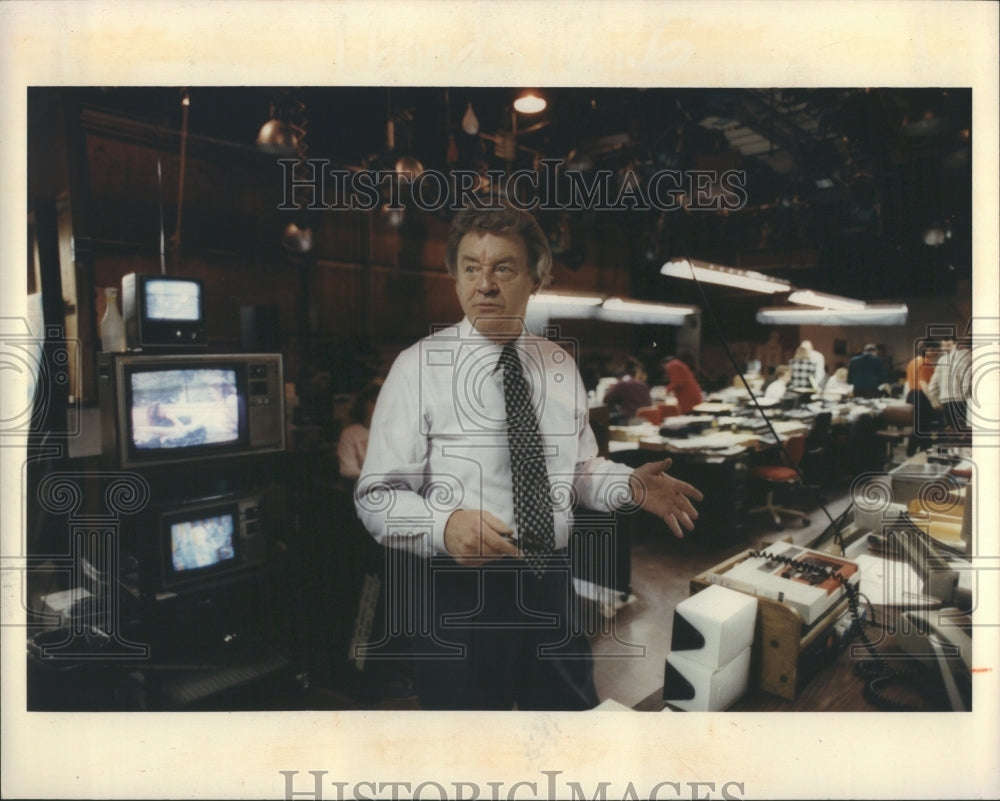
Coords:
pixel 664 496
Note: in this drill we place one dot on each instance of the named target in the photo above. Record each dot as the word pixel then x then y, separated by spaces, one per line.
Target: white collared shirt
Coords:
pixel 952 379
pixel 438 440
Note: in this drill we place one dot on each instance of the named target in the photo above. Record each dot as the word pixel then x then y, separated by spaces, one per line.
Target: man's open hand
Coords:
pixel 664 496
pixel 475 537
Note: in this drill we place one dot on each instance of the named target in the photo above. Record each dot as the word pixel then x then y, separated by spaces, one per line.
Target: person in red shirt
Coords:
pixel 919 371
pixel 681 382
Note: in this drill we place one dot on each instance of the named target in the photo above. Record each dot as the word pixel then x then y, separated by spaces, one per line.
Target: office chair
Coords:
pixel 898 418
pixel 815 461
pixel 776 477
pixel 668 409
pixel 651 414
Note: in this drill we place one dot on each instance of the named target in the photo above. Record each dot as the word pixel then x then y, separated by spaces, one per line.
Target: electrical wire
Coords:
pixel 756 403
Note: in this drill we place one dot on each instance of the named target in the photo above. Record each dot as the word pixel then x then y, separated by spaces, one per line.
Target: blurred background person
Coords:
pixel 836 386
pixel 802 370
pixel 867 374
pixel 818 360
pixel 919 372
pixel 778 385
pixel 630 393
pixel 681 381
pixel 951 385
pixel 771 353
pixel 353 443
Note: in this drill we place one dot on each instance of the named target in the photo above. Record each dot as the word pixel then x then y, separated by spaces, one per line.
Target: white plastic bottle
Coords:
pixel 112 324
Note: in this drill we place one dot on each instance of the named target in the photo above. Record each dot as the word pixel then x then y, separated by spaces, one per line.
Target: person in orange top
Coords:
pixel 919 371
pixel 681 382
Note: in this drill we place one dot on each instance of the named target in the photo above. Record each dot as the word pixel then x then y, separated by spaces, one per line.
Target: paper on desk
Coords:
pixel 715 440
pixel 890 582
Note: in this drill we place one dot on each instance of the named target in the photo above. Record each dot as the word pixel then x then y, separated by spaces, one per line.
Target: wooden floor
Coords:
pixel 630 656
pixel 631 645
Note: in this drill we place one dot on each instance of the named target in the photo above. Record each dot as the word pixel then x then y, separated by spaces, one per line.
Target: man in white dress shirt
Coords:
pixel 951 385
pixel 437 482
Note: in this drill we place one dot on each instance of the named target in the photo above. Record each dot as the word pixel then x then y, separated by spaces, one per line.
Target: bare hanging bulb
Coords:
pixel 278 137
pixel 297 239
pixel 470 122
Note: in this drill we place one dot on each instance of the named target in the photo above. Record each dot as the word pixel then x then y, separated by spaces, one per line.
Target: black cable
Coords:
pixel 753 397
pixel 876 673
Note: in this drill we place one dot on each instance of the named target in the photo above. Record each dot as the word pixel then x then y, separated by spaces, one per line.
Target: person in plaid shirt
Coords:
pixel 803 370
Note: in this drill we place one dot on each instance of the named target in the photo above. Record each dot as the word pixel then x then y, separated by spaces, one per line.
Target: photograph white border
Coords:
pixel 587 43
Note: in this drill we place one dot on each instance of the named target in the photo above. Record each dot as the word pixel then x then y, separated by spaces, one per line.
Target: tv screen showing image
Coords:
pixel 184 408
pixel 170 299
pixel 202 543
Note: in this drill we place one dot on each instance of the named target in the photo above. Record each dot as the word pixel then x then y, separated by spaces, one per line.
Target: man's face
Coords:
pixel 494 282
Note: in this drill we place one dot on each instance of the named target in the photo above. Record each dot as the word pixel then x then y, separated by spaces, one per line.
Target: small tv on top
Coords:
pixel 163 312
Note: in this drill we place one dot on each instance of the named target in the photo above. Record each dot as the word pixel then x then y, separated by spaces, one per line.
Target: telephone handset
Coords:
pixel 935 636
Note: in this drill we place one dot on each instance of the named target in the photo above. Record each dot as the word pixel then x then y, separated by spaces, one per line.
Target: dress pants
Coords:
pixel 508 639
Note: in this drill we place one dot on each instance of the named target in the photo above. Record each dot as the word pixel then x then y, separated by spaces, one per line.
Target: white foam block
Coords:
pixel 714 626
pixel 695 687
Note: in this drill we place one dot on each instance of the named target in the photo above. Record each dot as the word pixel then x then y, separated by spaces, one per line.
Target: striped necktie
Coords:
pixel 532 502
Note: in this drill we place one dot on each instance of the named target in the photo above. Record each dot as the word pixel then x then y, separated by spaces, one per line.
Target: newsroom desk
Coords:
pixel 833 685
pixel 710 451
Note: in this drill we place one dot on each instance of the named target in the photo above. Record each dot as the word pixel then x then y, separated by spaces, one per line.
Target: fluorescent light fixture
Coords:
pixel 806 297
pixel 871 314
pixel 632 311
pixel 555 299
pixel 726 276
pixel 553 305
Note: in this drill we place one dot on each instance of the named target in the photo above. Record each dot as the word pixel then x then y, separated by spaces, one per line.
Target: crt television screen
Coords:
pixel 184 408
pixel 172 300
pixel 203 543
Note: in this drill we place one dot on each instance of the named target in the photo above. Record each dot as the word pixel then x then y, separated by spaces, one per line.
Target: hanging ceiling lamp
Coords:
pixel 530 102
pixel 277 137
pixel 296 238
pixel 284 129
pixel 284 134
pixel 470 122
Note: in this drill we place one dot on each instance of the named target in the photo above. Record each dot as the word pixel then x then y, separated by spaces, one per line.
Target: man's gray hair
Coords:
pixel 502 221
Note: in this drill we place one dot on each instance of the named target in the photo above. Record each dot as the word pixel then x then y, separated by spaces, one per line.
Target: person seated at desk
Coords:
pixel 778 386
pixel 681 382
pixel 836 386
pixel 353 443
pixel 630 393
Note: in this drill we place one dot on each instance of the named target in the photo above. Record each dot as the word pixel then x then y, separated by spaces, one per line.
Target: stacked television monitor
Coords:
pixel 188 421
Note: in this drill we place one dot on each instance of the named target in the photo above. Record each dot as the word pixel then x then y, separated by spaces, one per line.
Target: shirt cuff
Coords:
pixel 437 531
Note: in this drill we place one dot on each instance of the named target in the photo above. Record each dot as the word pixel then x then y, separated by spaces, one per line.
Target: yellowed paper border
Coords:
pixel 584 42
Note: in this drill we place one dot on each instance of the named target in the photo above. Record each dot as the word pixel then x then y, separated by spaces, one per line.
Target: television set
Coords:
pixel 163 311
pixel 198 544
pixel 177 409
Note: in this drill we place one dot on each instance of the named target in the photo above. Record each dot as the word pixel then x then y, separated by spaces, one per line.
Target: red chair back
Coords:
pixel 669 409
pixel 650 413
pixel 795 448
